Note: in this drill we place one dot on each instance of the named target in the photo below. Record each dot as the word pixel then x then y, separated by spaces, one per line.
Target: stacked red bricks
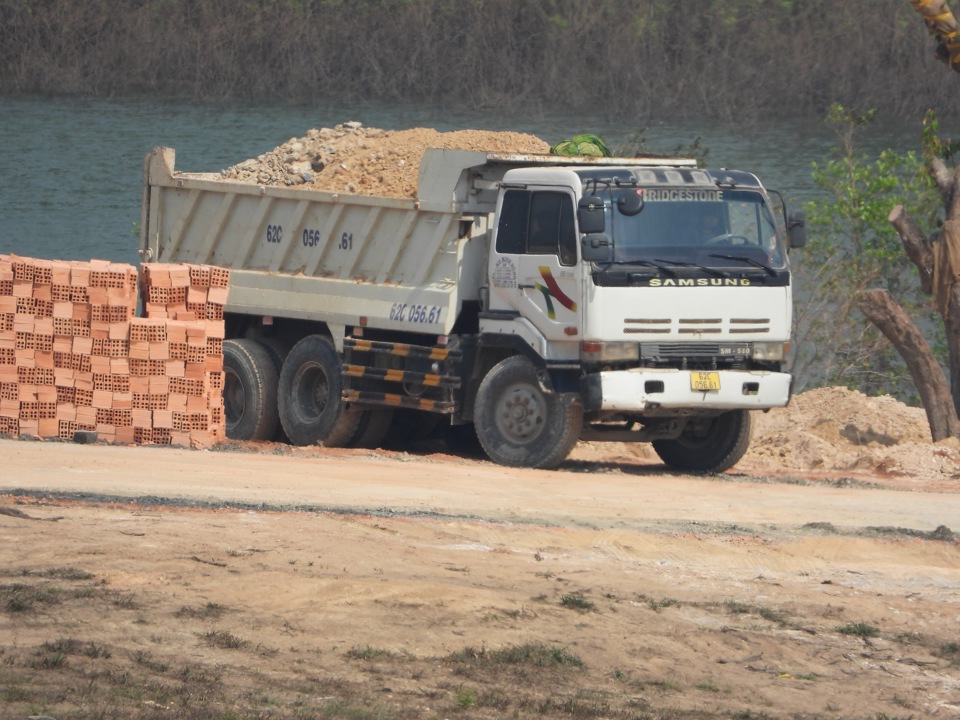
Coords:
pixel 73 356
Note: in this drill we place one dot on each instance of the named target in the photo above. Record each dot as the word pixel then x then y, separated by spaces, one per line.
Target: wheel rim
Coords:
pixel 311 392
pixel 521 413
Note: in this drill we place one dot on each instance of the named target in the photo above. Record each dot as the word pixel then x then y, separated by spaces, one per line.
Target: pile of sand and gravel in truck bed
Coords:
pixel 352 158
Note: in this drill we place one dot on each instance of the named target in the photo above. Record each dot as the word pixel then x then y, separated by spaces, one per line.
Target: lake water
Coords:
pixel 71 169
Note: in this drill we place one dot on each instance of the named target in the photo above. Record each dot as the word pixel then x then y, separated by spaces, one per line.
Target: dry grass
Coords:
pixel 149 676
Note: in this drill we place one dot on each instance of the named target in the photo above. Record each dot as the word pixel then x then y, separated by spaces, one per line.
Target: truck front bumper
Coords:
pixel 646 390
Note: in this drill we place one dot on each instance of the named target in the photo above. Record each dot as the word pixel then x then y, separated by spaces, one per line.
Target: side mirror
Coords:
pixel 596 247
pixel 590 214
pixel 797 229
pixel 630 202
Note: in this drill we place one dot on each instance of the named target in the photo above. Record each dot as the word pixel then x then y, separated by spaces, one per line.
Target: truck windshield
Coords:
pixel 719 228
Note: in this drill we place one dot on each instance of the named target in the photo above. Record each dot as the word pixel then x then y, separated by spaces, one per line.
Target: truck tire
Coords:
pixel 708 445
pixel 276 348
pixel 372 429
pixel 309 396
pixel 249 391
pixel 278 351
pixel 520 424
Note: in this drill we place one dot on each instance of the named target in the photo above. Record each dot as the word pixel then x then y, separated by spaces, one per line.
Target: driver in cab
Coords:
pixel 712 223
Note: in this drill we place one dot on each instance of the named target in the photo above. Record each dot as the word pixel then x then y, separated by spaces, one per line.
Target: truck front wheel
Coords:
pixel 520 424
pixel 708 445
pixel 309 396
pixel 249 391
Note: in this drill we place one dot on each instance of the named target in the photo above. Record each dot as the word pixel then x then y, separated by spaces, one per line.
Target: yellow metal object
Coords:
pixel 942 23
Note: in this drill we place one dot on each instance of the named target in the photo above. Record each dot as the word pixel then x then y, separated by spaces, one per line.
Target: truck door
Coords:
pixel 534 269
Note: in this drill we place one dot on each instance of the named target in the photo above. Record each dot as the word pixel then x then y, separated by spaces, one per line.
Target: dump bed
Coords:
pixel 405 264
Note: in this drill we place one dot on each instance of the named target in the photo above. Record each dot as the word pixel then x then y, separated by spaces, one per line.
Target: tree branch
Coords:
pixel 916 244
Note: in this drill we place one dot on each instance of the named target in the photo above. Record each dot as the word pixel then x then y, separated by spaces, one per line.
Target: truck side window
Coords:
pixel 538 223
pixel 512 230
pixel 551 229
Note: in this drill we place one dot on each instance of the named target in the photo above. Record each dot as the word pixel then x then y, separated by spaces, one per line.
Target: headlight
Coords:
pixel 771 351
pixel 609 352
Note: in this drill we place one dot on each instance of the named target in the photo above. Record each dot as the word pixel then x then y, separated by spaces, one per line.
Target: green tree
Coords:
pixel 937 259
pixel 853 248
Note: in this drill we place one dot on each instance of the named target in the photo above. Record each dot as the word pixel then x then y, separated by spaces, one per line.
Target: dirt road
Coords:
pixel 159 582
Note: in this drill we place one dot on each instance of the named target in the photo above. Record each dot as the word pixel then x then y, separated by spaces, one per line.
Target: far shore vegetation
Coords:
pixel 730 60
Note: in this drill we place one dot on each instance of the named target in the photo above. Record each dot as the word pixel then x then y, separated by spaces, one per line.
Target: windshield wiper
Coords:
pixel 708 270
pixel 743 258
pixel 650 263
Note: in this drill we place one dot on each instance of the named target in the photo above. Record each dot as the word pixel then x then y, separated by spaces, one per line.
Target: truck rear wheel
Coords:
pixel 249 391
pixel 277 349
pixel 708 445
pixel 309 396
pixel 519 423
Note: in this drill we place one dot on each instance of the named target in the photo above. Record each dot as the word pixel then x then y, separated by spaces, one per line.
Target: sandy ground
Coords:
pixel 279 582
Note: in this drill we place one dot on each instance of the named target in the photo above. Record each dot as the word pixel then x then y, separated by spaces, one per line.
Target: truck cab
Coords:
pixel 659 296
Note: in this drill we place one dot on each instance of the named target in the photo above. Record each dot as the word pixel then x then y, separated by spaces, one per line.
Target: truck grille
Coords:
pixel 695 326
pixel 695 355
pixel 657 351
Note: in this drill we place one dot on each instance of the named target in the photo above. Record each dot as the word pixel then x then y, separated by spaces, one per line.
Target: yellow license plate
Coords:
pixel 704 381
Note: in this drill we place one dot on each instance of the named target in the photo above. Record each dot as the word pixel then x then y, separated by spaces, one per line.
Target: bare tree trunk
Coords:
pixel 921 251
pixel 927 374
pixel 952 330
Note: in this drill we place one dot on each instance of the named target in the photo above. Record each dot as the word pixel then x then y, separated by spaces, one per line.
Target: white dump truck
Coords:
pixel 525 301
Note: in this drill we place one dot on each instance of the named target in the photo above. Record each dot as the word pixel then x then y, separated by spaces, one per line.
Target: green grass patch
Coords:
pixel 21 598
pixel 466 697
pixel 93 650
pixel 48 661
pixel 950 651
pixel 658 605
pixel 860 629
pixel 223 639
pixel 14 693
pixel 775 616
pixel 533 654
pixel 210 611
pixel 585 705
pixel 125 601
pixel 576 601
pixel 60 573
pixel 144 658
pixel 664 685
pixel 369 653
pixel 66 646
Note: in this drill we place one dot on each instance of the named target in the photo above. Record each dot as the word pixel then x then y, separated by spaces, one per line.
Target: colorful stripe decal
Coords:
pixel 547 274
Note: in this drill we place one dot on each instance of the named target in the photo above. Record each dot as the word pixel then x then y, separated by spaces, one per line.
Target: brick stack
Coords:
pixel 176 353
pixel 73 356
